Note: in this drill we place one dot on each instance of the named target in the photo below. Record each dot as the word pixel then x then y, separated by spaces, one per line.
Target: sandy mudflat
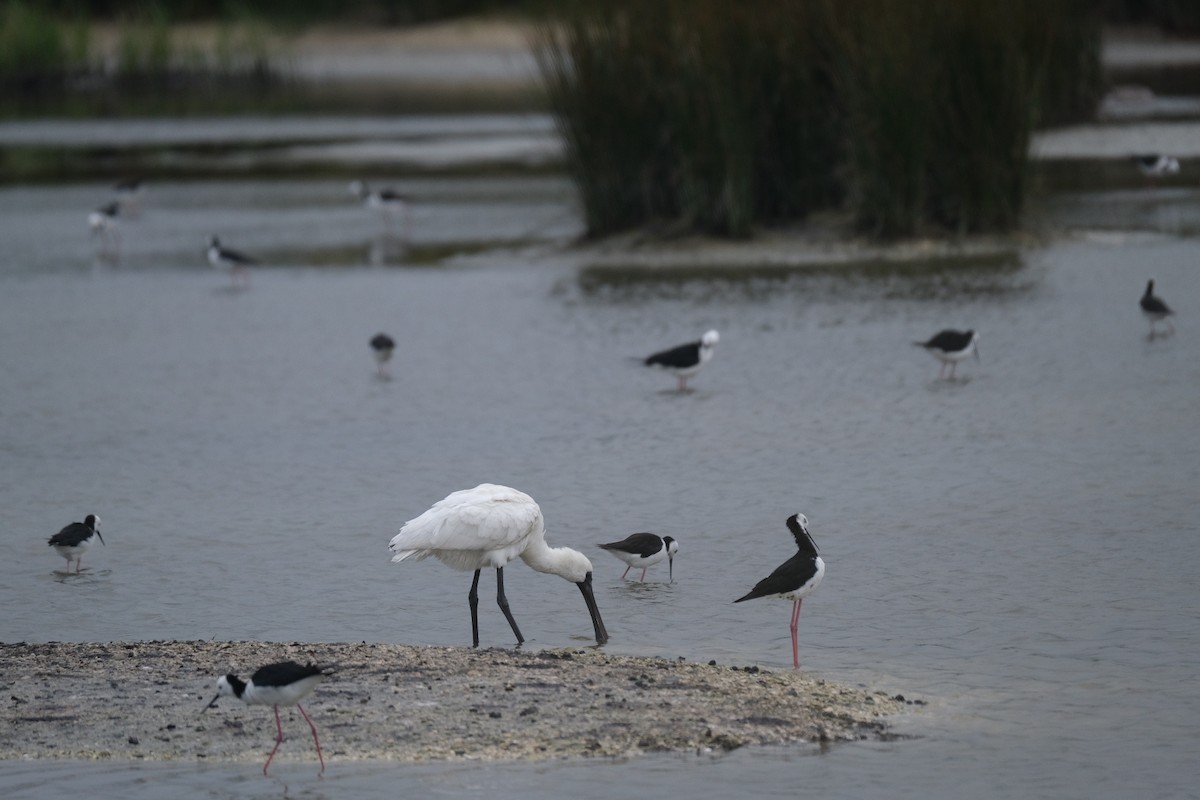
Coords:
pixel 143 700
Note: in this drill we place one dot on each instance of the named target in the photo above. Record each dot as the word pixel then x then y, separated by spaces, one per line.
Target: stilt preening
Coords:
pixel 227 260
pixel 685 360
pixel 285 683
pixel 75 540
pixel 487 527
pixel 1155 310
pixel 950 347
pixel 644 550
pixel 794 579
pixel 383 346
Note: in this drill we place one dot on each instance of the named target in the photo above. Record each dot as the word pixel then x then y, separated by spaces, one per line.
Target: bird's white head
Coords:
pixel 227 686
pixel 710 338
pixel 802 521
pixel 358 189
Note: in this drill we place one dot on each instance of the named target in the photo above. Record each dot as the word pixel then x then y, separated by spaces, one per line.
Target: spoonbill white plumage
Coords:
pixel 489 526
pixel 285 683
pixel 794 579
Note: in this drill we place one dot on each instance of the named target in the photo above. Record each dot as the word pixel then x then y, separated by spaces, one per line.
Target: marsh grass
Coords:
pixel 713 116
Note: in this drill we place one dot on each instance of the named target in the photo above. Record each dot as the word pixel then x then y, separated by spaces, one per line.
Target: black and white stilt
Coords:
pixel 950 347
pixel 794 579
pixel 285 683
pixel 1156 311
pixel 225 259
pixel 1156 165
pixel 389 203
pixel 382 346
pixel 75 540
pixel 486 528
pixel 104 222
pixel 685 360
pixel 644 550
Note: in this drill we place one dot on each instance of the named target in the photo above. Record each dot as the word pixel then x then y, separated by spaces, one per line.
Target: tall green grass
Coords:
pixel 717 116
pixel 35 45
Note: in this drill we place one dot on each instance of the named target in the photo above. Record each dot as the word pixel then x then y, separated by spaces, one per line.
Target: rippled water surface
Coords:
pixel 1017 546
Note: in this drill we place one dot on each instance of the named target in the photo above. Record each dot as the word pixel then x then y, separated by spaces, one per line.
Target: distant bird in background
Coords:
pixel 685 360
pixel 129 194
pixel 387 202
pixel 1155 165
pixel 285 683
pixel 383 346
pixel 487 527
pixel 950 347
pixel 231 261
pixel 1156 310
pixel 644 550
pixel 75 539
pixel 794 579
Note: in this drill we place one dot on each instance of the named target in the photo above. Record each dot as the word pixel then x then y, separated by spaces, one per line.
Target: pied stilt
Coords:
pixel 387 202
pixel 382 345
pixel 285 683
pixel 487 527
pixel 75 540
pixel 794 579
pixel 644 550
pixel 1156 310
pixel 1155 165
pixel 686 359
pixel 950 347
pixel 104 221
pixel 227 260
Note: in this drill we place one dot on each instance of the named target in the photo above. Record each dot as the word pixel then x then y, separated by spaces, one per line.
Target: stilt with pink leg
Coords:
pixel 75 539
pixel 644 550
pixel 285 683
pixel 794 579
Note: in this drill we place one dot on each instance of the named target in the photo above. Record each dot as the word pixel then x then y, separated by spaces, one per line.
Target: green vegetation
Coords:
pixel 701 114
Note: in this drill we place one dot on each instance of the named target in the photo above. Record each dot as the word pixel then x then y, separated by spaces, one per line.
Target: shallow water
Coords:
pixel 1015 546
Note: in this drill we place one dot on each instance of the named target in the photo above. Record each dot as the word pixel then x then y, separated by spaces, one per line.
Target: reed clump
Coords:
pixel 715 116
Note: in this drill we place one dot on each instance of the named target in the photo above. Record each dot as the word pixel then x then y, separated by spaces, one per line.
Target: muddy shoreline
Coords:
pixel 143 700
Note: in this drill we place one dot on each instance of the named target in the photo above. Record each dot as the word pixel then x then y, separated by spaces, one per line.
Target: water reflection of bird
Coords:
pixel 75 539
pixel 950 347
pixel 282 684
pixel 383 346
pixel 487 527
pixel 1155 310
pixel 794 579
pixel 644 550
pixel 228 260
pixel 686 359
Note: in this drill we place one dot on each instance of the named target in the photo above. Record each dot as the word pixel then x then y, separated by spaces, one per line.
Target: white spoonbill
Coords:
pixel 489 526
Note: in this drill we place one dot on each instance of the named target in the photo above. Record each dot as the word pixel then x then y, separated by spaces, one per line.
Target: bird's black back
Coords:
pixel 381 341
pixel 284 673
pixel 643 545
pixel 949 341
pixel 235 256
pixel 1152 304
pixel 72 535
pixel 685 355
pixel 788 576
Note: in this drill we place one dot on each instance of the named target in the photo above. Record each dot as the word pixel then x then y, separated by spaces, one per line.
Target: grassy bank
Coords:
pixel 701 115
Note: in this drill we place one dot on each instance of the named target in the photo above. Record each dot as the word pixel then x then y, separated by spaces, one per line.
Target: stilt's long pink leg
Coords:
pixel 278 740
pixel 795 642
pixel 626 572
pixel 317 741
pixel 643 579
